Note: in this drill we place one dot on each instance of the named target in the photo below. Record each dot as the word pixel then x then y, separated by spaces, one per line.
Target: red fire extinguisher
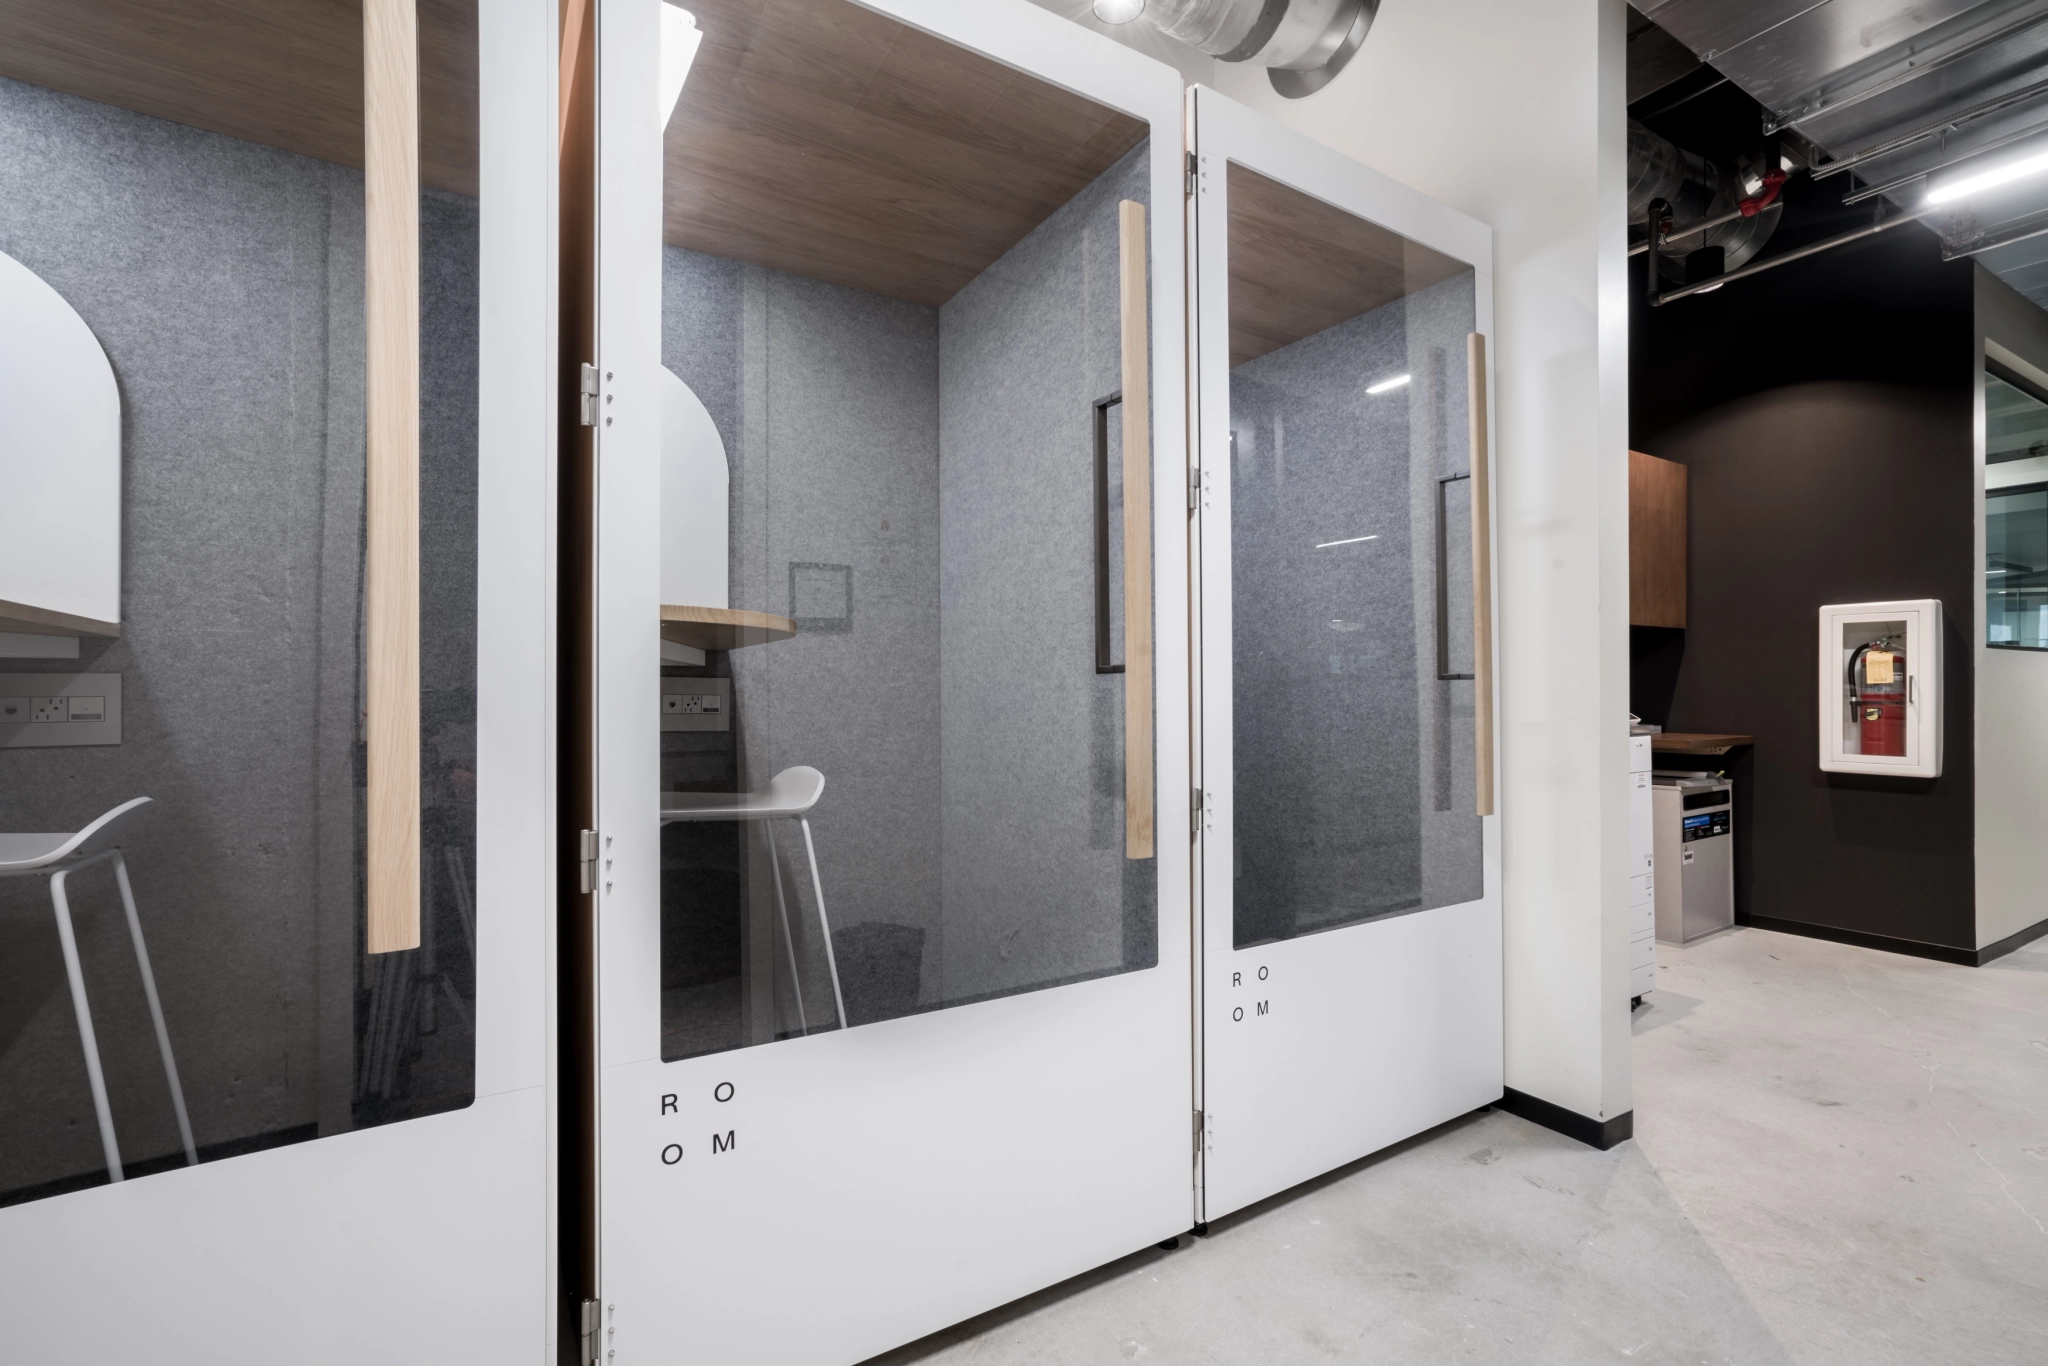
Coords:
pixel 1877 696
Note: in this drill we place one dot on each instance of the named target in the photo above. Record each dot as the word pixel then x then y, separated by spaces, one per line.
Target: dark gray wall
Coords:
pixel 224 281
pixel 1824 417
pixel 1353 761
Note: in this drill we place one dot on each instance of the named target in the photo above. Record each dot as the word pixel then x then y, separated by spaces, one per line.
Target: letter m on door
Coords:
pixel 725 1144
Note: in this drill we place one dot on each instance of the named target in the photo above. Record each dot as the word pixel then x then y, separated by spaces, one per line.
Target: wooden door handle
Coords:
pixel 1137 441
pixel 391 610
pixel 1482 575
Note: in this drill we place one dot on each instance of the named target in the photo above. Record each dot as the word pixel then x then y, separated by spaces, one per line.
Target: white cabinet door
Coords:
pixel 1351 938
pixel 903 1034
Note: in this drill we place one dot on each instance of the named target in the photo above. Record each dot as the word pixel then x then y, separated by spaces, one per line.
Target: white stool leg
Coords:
pixel 818 890
pixel 84 1012
pixel 156 1009
pixel 796 981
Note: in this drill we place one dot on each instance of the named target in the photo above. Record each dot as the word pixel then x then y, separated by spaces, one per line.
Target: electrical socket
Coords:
pixel 51 709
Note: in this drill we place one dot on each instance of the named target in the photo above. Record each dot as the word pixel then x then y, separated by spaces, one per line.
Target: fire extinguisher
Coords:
pixel 1877 696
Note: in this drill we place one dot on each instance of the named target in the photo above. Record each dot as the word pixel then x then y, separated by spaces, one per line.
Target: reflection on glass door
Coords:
pixel 1351 569
pixel 894 745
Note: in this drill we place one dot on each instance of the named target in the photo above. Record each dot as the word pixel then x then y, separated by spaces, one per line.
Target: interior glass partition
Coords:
pixel 2015 513
pixel 896 769
pixel 220 269
pixel 1351 569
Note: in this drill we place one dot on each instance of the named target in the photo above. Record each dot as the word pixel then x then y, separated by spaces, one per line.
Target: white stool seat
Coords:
pixel 790 794
pixel 61 855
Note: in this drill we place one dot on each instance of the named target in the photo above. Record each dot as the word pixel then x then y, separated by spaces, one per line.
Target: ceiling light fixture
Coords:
pixel 1988 180
pixel 1386 384
pixel 679 38
pixel 1118 11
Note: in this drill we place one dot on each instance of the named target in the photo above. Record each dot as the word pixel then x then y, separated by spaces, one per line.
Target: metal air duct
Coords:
pixel 1303 43
pixel 1698 192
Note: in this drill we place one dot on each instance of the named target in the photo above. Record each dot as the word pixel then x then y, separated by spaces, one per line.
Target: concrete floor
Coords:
pixel 1841 1157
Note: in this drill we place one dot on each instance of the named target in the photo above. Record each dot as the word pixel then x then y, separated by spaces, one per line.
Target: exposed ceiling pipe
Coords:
pixel 1735 214
pixel 1302 43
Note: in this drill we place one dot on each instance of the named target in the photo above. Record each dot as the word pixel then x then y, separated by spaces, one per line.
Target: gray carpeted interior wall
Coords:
pixel 224 281
pixel 915 486
pixel 1353 759
pixel 1031 737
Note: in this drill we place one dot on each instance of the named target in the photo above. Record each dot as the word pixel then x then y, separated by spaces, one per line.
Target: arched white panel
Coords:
pixel 60 464
pixel 694 483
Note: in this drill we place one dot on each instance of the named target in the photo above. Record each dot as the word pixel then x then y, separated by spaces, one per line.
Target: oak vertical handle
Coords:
pixel 391 624
pixel 1482 574
pixel 1137 439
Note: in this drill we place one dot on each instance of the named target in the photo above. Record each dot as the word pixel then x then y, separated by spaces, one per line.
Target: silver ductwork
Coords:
pixel 1698 191
pixel 1303 43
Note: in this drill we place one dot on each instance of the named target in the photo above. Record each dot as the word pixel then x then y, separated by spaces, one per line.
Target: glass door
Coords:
pixel 1351 928
pixel 276 730
pixel 893 946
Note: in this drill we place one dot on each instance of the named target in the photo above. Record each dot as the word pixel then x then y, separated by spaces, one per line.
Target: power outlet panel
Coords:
pixel 43 711
pixel 696 704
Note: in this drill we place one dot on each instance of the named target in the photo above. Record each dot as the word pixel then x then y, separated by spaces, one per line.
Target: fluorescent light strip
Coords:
pixel 1989 180
pixel 1386 384
pixel 679 39
pixel 1353 541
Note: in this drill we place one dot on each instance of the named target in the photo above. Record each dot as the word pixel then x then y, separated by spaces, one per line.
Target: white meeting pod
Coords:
pixel 1349 859
pixel 275 935
pixel 892 876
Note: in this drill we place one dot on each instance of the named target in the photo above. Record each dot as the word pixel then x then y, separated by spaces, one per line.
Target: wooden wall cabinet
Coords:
pixel 1656 541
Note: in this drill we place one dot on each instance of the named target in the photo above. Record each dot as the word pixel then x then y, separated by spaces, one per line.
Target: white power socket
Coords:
pixel 51 709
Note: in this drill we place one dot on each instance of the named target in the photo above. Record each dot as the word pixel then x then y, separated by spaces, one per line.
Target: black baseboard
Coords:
pixel 2011 942
pixel 1594 1133
pixel 1940 953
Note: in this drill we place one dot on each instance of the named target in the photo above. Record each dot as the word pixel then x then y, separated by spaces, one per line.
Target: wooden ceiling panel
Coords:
pixel 820 138
pixel 285 73
pixel 1299 265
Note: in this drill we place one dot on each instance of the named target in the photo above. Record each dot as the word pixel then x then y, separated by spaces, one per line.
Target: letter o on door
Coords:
pixel 672 1154
pixel 1238 1013
pixel 722 1092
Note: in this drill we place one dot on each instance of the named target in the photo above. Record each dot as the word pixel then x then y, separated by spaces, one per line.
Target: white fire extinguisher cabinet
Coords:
pixel 1880 688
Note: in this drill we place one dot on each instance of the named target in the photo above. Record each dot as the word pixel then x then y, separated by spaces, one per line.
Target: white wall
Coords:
pixel 2012 685
pixel 1513 111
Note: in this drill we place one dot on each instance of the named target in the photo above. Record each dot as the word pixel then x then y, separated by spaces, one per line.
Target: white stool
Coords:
pixel 60 856
pixel 790 793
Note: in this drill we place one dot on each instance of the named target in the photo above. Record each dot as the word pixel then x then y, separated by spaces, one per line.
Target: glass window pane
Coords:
pixel 1351 569
pixel 223 278
pixel 2015 517
pixel 902 360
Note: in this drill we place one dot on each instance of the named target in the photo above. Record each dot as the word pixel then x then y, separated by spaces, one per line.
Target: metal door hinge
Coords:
pixel 586 861
pixel 1189 187
pixel 593 1332
pixel 1194 487
pixel 1195 811
pixel 1198 1133
pixel 587 387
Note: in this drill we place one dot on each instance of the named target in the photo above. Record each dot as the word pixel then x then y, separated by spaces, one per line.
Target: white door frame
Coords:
pixel 429 1240
pixel 1301 1089
pixel 888 1180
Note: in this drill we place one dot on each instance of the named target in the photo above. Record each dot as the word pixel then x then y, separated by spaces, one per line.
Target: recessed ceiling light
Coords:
pixel 1386 384
pixel 1118 11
